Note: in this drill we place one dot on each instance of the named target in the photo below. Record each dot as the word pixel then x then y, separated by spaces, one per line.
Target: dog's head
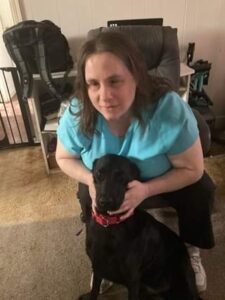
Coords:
pixel 111 175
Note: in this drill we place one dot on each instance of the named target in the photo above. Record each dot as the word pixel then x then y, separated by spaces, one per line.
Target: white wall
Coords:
pixel 199 21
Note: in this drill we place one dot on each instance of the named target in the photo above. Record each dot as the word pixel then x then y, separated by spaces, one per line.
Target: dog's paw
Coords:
pixel 85 297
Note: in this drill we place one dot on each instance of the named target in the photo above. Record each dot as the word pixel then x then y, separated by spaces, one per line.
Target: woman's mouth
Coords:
pixel 110 107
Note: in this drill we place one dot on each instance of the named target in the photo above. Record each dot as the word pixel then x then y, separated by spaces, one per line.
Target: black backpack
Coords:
pixel 38 48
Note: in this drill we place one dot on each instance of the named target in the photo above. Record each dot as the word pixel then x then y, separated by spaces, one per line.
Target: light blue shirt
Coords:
pixel 170 128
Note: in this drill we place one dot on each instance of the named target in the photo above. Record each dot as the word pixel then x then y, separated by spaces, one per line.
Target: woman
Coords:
pixel 120 109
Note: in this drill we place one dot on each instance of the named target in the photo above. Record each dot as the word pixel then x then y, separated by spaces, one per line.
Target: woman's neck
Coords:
pixel 119 127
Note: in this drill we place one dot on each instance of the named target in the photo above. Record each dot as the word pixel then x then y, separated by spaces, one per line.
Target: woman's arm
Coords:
pixel 72 165
pixel 187 168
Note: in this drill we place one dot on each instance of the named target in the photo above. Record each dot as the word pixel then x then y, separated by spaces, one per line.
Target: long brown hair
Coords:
pixel 148 88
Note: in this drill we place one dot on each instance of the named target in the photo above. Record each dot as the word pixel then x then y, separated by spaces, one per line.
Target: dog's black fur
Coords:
pixel 140 252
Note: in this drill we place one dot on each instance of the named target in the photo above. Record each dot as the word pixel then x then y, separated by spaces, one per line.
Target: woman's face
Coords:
pixel 110 85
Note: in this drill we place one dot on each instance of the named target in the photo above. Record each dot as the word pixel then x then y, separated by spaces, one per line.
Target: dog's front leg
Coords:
pixel 95 286
pixel 93 294
pixel 133 291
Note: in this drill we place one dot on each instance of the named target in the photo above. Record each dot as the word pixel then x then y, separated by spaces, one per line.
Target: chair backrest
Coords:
pixel 159 46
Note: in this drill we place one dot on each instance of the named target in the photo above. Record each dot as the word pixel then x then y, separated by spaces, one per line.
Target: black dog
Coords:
pixel 139 252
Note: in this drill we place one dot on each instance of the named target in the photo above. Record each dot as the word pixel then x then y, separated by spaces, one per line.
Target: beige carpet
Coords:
pixel 41 257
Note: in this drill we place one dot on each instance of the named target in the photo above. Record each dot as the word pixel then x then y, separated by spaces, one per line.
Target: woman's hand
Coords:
pixel 92 192
pixel 136 193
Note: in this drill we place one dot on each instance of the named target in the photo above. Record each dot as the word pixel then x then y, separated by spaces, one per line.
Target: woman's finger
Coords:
pixel 127 214
pixel 123 208
pixel 93 207
pixel 131 184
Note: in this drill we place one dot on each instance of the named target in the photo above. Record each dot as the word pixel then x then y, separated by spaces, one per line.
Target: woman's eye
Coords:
pixel 92 84
pixel 115 82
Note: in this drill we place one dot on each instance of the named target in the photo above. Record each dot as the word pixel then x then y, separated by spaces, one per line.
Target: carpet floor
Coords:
pixel 42 258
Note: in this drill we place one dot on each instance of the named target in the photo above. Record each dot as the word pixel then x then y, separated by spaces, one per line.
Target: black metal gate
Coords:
pixel 16 127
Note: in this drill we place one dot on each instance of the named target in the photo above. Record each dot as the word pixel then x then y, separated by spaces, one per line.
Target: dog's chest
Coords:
pixel 104 242
pixel 108 249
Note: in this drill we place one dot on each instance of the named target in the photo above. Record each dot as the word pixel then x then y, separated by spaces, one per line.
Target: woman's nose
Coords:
pixel 104 93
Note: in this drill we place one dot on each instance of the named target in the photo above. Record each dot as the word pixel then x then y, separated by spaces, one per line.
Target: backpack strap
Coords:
pixel 69 61
pixel 42 64
pixel 15 53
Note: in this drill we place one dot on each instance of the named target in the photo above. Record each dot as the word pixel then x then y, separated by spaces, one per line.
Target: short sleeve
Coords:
pixel 177 124
pixel 68 131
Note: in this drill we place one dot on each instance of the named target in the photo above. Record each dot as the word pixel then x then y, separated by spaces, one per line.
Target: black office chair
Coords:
pixel 159 46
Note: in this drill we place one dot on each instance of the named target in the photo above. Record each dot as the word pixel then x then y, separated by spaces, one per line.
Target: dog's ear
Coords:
pixel 135 172
pixel 94 163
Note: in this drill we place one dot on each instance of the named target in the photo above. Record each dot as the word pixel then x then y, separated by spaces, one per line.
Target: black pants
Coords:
pixel 193 204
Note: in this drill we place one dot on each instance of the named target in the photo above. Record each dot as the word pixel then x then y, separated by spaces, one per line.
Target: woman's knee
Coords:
pixel 202 193
pixel 199 195
pixel 194 206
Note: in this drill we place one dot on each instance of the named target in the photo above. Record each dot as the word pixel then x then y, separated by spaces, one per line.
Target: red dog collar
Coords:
pixel 106 220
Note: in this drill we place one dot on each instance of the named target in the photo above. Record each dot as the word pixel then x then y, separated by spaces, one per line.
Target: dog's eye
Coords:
pixel 99 176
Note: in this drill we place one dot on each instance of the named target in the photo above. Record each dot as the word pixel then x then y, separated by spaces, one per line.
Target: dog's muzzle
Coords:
pixel 105 204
